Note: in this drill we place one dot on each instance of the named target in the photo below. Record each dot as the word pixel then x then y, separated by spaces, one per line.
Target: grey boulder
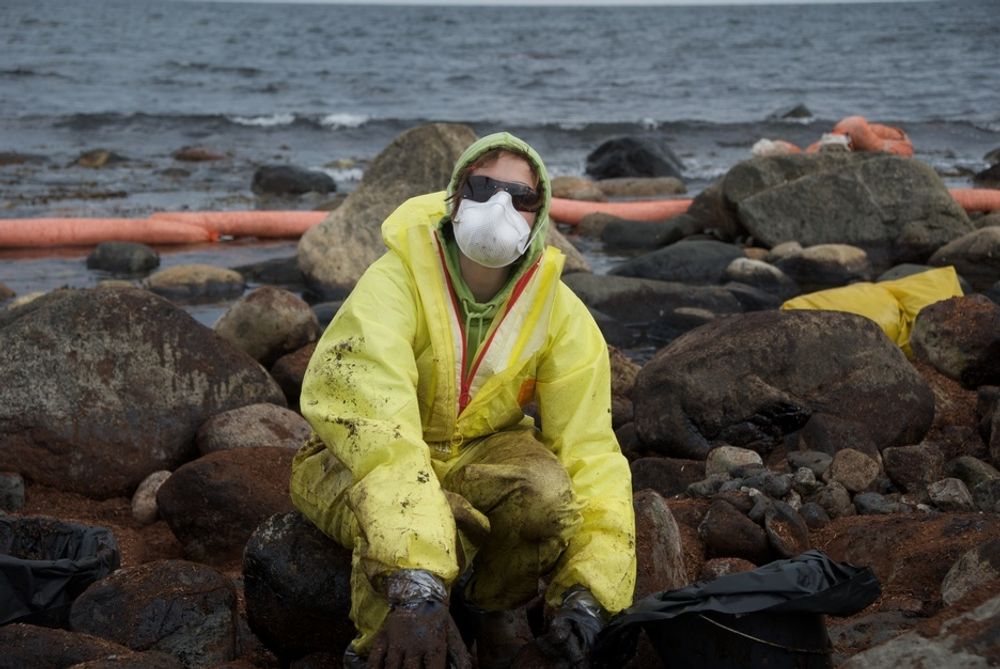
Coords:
pixel 334 254
pixel 104 387
pixel 897 209
pixel 751 379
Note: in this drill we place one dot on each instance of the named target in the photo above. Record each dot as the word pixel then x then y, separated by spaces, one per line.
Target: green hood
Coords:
pixel 505 140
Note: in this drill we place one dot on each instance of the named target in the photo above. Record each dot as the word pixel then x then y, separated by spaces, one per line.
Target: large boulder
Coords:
pixel 575 260
pixel 181 608
pixel 727 532
pixel 214 503
pixel 298 587
pixel 103 387
pixel 268 323
pixel 960 337
pixel 334 254
pixel 577 188
pixel 751 379
pixel 913 468
pixel 897 209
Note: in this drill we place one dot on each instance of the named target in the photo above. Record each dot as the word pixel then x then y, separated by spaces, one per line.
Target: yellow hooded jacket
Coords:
pixel 387 394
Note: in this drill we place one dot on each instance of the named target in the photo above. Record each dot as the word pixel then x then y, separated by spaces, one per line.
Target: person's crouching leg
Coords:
pixel 526 494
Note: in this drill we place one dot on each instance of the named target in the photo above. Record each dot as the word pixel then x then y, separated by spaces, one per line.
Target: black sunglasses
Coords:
pixel 479 188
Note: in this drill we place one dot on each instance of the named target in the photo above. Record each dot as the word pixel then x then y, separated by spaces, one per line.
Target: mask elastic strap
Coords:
pixel 534 231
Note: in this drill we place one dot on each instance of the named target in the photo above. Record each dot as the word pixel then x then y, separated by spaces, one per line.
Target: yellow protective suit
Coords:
pixel 395 416
pixel 893 305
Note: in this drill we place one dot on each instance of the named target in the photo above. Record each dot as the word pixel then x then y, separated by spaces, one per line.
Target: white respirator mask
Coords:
pixel 492 233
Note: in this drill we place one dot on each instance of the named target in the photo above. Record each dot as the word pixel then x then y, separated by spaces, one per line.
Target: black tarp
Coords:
pixel 810 583
pixel 46 563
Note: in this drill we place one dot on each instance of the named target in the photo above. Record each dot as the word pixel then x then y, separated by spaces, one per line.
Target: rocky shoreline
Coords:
pixel 754 433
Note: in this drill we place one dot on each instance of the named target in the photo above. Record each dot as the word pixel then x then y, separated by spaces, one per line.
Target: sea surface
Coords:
pixel 328 87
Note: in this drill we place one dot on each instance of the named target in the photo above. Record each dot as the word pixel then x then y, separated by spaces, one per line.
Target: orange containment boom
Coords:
pixel 186 227
pixel 43 232
pixel 867 136
pixel 260 224
pixel 573 211
pixel 977 199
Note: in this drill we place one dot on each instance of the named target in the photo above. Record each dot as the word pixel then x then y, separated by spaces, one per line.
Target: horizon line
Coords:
pixel 563 3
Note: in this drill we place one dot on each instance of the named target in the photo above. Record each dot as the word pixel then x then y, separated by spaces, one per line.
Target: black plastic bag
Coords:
pixel 45 564
pixel 780 594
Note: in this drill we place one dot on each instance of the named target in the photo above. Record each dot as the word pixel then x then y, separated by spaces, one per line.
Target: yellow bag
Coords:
pixel 893 305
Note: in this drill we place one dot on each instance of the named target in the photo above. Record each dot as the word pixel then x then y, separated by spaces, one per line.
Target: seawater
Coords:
pixel 329 86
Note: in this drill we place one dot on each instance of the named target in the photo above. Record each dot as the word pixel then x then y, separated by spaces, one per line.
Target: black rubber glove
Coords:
pixel 419 630
pixel 573 630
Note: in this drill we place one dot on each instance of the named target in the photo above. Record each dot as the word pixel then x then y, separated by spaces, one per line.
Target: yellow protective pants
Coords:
pixel 514 509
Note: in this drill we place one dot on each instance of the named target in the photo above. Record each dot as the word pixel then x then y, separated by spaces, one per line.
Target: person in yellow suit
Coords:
pixel 422 459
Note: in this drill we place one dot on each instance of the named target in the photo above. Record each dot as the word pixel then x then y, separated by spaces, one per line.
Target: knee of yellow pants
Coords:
pixel 542 507
pixel 519 484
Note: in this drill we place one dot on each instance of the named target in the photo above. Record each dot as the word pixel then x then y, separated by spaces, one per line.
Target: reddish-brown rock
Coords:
pixel 214 503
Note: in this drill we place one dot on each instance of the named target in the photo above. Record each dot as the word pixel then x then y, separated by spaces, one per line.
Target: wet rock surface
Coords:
pixel 975 255
pixel 50 648
pixel 123 258
pixel 689 262
pixel 184 609
pixel 290 180
pixel 297 584
pixel 632 157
